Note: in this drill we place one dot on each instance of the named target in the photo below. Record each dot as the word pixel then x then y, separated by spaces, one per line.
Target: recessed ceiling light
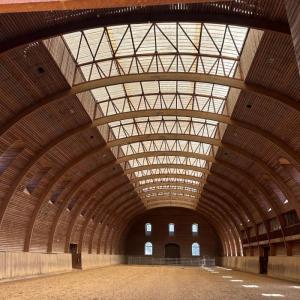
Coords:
pixel 41 70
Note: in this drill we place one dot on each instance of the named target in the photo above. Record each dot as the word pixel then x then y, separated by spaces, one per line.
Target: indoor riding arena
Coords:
pixel 149 149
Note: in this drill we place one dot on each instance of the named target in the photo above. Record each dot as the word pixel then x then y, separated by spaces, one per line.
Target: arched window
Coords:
pixel 148 248
pixel 171 228
pixel 195 249
pixel 195 228
pixel 148 228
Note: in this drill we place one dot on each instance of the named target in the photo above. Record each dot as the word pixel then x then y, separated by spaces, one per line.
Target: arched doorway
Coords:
pixel 172 251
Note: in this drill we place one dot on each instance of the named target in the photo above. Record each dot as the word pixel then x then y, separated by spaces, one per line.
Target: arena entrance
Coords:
pixel 172 251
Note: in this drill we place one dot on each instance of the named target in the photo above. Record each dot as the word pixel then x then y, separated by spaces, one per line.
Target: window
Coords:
pixel 148 248
pixel 195 249
pixel 291 218
pixel 195 228
pixel 274 225
pixel 171 228
pixel 148 228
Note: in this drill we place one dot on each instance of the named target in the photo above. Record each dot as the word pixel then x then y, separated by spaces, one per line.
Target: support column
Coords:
pixel 293 13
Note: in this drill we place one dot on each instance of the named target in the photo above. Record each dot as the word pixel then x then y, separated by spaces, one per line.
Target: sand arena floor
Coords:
pixel 151 282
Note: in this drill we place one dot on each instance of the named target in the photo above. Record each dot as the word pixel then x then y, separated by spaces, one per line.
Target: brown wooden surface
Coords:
pixel 48 129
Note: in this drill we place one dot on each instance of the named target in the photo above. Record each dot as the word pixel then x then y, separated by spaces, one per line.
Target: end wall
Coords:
pixel 183 219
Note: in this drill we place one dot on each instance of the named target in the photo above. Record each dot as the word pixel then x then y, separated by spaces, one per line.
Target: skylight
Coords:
pixel 164 146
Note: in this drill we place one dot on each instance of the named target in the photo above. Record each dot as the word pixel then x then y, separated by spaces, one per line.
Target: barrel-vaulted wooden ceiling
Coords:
pixel 108 112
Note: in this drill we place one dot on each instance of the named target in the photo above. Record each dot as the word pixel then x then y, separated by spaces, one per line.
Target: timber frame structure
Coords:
pixel 193 105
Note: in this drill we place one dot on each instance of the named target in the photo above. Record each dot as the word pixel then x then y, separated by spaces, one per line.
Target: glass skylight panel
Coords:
pixel 166 187
pixel 166 145
pixel 159 194
pixel 99 45
pixel 168 159
pixel 168 171
pixel 161 47
pixel 172 95
pixel 157 125
pixel 168 180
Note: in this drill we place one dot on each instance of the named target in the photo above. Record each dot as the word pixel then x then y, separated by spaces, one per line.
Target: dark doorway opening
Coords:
pixel 263 260
pixel 76 257
pixel 172 251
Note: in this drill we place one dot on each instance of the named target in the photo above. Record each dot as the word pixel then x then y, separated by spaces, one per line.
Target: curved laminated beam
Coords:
pixel 144 194
pixel 129 202
pixel 107 237
pixel 110 193
pixel 107 196
pixel 236 203
pixel 226 215
pixel 90 212
pixel 99 217
pixel 181 76
pixel 50 5
pixel 225 191
pixel 202 115
pixel 224 164
pixel 204 157
pixel 219 215
pixel 129 157
pixel 79 207
pixel 137 179
pixel 176 136
pixel 42 200
pixel 21 176
pixel 129 209
pixel 141 15
pixel 103 229
pixel 223 233
pixel 229 209
pixel 250 198
pixel 170 136
pixel 168 183
pixel 103 148
pixel 114 231
pixel 159 166
pixel 103 120
pixel 273 175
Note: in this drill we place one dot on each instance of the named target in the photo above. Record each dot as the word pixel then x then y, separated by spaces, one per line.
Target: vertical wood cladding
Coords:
pixel 183 220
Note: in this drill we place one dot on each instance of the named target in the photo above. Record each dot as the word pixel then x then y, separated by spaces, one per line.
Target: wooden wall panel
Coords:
pixel 287 268
pixel 21 264
pixel 245 264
